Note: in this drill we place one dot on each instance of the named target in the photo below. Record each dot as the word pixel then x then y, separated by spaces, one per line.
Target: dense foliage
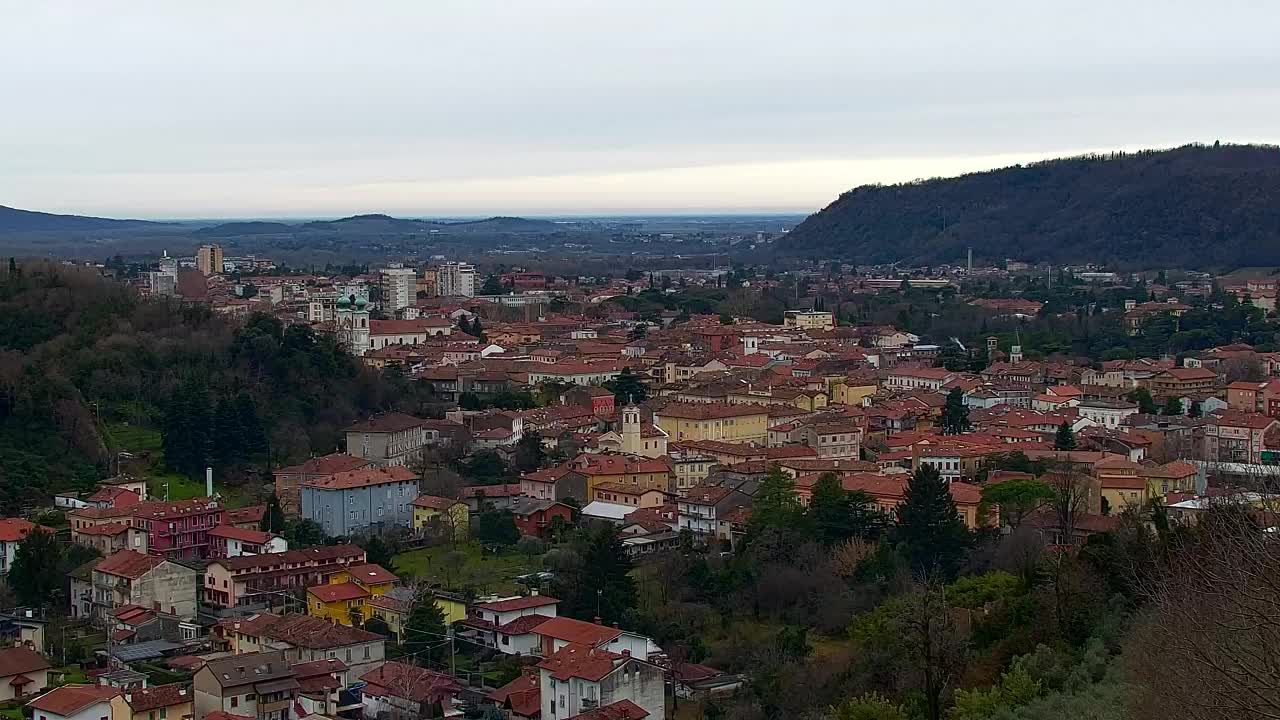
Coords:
pixel 1190 207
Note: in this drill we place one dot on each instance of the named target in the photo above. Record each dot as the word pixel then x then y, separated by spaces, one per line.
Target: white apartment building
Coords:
pixel 457 279
pixel 399 287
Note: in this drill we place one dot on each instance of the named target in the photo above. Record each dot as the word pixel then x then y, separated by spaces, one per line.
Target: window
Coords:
pixel 348 654
pixel 250 696
pixel 235 701
pixel 366 652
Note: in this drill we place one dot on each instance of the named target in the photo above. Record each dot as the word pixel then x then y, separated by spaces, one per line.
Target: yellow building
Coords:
pixel 158 702
pixel 809 319
pixel 638 473
pixel 714 421
pixel 394 609
pixel 434 513
pixel 852 390
pixel 345 599
pixel 1122 483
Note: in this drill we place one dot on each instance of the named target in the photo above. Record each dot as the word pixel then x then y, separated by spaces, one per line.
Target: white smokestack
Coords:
pixel 208 482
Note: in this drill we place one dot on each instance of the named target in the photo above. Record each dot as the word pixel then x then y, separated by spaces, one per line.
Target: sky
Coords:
pixel 268 108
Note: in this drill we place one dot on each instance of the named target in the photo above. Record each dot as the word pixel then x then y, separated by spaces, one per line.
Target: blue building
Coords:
pixel 361 501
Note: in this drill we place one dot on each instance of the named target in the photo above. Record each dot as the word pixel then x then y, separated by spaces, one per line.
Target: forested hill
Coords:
pixel 15 220
pixel 1194 207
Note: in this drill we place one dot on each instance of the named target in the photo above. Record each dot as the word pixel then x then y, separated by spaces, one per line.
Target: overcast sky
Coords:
pixel 262 108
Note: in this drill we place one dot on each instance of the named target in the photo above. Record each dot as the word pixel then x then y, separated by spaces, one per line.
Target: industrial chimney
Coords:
pixel 208 482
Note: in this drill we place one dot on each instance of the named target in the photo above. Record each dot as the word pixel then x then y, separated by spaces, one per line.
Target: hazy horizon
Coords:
pixel 481 107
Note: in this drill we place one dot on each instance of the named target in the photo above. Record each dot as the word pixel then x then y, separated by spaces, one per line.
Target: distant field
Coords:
pixel 485 573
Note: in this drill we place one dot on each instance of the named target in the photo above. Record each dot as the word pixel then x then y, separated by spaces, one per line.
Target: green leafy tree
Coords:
pixel 273 519
pixel 497 527
pixel 1017 499
pixel 929 527
pixel 601 582
pixel 628 388
pixel 1065 439
pixel 303 533
pixel 1172 406
pixel 1146 404
pixel 868 706
pixel 492 286
pixel 34 575
pixel 775 504
pixel 955 414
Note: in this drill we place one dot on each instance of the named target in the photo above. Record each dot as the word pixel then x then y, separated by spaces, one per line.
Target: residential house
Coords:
pixel 580 679
pixel 1106 413
pixel 909 378
pixel 629 470
pixel 131 578
pixel 74 702
pixel 321 690
pixel 289 479
pixel 534 517
pixel 264 580
pixel 23 671
pixel 1180 382
pixel 108 538
pixel 387 439
pixel 396 689
pixel 259 685
pixel 520 699
pixel 361 500
pixel 174 701
pixel 343 600
pixel 231 541
pixel 509 625
pixel 498 497
pixel 624 494
pixel 1174 476
pixel 600 400
pixel 702 510
pixel 714 421
pixel 832 439
pixel 302 638
pixel 441 516
pixel 248 517
pixel 1237 437
pixel 555 483
pixel 888 492
pixel 1123 485
pixel 394 606
pixel 12 532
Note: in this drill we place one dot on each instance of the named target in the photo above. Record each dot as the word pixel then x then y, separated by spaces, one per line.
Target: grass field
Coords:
pixel 482 571
pixel 140 440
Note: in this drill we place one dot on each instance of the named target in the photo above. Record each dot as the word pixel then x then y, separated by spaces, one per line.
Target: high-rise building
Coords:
pixel 399 287
pixel 209 259
pixel 457 280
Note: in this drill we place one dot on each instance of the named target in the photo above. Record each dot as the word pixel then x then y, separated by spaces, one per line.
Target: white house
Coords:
pixel 1108 414
pixel 22 671
pixel 74 702
pixel 578 678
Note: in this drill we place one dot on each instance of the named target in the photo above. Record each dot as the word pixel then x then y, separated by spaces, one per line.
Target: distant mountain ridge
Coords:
pixel 1194 206
pixel 15 220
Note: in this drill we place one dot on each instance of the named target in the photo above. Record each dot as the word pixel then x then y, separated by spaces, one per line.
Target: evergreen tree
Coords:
pixel 836 515
pixel 13 266
pixel 477 329
pixel 929 527
pixel 601 584
pixel 529 453
pixel 464 325
pixel 425 628
pixel 497 527
pixel 273 520
pixel 955 414
pixel 1196 410
pixel 775 504
pixel 1172 406
pixel 228 441
pixel 377 552
pixel 34 575
pixel 1146 404
pixel 253 437
pixel 1065 439
pixel 187 432
pixel 628 388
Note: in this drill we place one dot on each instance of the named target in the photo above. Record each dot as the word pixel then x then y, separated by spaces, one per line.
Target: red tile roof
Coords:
pixel 16 660
pixel 338 592
pixel 523 696
pixel 580 660
pixel 434 502
pixel 326 465
pixel 129 564
pixel 363 477
pixel 709 411
pixel 620 710
pixel 371 574
pixel 70 699
pixel 105 529
pixel 387 422
pixel 298 558
pixel 157 696
pixel 577 631
pixel 522 625
pixel 411 682
pixel 491 491
pixel 247 514
pixel 232 532
pixel 14 529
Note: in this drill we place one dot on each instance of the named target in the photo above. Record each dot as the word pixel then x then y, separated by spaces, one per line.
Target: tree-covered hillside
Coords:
pixel 1194 206
pixel 79 353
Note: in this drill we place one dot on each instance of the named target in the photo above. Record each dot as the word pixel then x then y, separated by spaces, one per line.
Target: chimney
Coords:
pixel 626 653
pixel 533 592
pixel 208 482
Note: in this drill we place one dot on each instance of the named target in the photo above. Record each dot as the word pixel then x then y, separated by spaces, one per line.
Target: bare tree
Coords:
pixel 1072 495
pixel 1209 646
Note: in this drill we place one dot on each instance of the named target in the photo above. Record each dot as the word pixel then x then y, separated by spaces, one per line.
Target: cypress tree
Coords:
pixel 929 528
pixel 1066 437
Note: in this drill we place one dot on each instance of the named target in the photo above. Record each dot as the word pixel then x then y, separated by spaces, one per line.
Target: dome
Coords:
pixel 361 302
pixel 344 301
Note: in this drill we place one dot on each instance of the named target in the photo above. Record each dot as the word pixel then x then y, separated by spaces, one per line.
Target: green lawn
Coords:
pixel 485 573
pixel 139 439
